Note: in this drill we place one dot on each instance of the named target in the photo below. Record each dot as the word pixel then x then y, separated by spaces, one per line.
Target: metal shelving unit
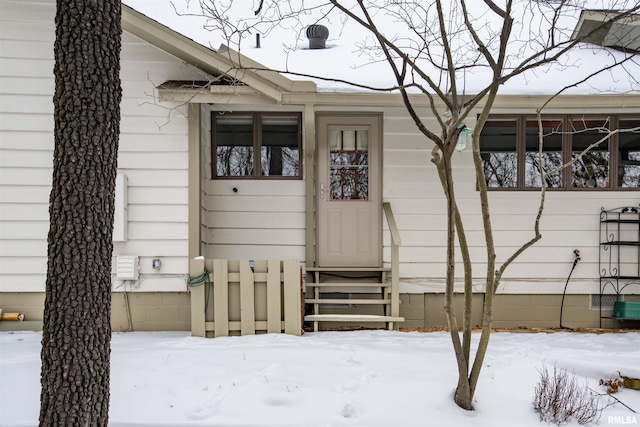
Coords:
pixel 619 255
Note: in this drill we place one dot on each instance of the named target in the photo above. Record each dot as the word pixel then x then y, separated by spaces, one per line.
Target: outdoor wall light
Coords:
pixel 463 137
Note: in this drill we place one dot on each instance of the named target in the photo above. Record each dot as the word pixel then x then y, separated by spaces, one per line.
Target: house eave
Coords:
pixel 203 96
pixel 609 28
pixel 246 95
pixel 601 101
pixel 225 61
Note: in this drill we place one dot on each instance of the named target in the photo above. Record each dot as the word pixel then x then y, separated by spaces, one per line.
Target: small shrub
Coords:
pixel 613 384
pixel 559 398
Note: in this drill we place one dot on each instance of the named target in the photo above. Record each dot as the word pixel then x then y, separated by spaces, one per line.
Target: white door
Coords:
pixel 348 192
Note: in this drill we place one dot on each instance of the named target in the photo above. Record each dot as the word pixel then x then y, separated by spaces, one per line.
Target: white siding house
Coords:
pixel 153 156
pixel 176 209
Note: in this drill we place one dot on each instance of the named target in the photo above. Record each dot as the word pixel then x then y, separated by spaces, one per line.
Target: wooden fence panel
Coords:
pixel 247 301
pixel 292 323
pixel 243 298
pixel 274 309
pixel 220 298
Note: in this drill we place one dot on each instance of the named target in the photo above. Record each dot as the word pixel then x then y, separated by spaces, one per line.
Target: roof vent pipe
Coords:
pixel 317 35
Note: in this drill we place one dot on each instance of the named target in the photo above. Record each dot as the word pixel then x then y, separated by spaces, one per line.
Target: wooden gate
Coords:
pixel 243 297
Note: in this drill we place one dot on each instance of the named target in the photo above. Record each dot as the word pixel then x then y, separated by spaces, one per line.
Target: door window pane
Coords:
pixel 280 153
pixel 234 145
pixel 349 164
pixel 499 152
pixel 629 155
pixel 592 169
pixel 551 157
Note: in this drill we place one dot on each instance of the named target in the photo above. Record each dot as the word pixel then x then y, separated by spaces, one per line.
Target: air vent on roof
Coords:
pixel 317 35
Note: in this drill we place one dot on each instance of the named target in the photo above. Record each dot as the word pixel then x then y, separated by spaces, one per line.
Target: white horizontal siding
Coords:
pixel 23 248
pixel 12 85
pixel 264 218
pixel 261 219
pixel 570 220
pixel 153 152
pixel 235 251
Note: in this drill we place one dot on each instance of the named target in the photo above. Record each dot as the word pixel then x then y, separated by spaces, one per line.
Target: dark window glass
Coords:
pixel 499 152
pixel 234 145
pixel 551 153
pixel 629 154
pixel 280 150
pixel 592 169
pixel 349 164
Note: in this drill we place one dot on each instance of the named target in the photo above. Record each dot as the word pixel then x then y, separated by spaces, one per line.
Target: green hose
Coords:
pixel 194 281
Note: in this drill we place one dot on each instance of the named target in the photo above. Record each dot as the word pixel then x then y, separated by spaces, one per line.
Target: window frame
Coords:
pixel 613 122
pixel 257 117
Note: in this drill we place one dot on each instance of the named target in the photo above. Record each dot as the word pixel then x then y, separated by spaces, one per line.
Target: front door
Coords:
pixel 348 193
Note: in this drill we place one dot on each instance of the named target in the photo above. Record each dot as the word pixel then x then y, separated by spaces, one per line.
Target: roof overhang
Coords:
pixel 223 64
pixel 607 28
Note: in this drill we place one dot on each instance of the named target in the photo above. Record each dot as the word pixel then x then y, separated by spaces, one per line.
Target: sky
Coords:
pixel 349 55
pixel 358 378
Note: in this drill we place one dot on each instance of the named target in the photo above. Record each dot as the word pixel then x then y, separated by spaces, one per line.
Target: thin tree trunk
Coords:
pixel 77 331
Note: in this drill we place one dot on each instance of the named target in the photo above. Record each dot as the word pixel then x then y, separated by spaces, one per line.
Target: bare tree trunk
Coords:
pixel 77 327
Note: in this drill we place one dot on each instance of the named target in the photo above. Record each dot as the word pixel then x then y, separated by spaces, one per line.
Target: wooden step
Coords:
pixel 349 284
pixel 347 301
pixel 349 269
pixel 352 318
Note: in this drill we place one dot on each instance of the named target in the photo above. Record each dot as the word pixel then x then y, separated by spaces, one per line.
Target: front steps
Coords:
pixel 339 295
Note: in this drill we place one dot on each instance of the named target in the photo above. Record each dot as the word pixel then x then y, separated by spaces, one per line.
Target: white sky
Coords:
pixel 285 47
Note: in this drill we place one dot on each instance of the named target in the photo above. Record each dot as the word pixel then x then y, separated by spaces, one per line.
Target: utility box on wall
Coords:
pixel 120 210
pixel 127 267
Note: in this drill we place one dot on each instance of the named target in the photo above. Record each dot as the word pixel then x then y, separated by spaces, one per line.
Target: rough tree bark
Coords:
pixel 77 331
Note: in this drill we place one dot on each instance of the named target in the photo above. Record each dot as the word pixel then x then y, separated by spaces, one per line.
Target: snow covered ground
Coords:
pixel 361 378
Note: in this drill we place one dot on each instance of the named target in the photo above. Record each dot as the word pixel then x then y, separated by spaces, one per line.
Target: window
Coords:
pixel 509 148
pixel 349 159
pixel 256 145
pixel 629 155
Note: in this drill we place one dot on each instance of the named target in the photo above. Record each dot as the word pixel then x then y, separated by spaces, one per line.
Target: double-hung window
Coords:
pixel 513 156
pixel 256 145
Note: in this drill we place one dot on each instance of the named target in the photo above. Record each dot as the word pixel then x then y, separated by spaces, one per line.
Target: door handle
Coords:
pixel 322 191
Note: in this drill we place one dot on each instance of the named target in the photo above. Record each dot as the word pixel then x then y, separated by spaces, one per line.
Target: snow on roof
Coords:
pixel 348 57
